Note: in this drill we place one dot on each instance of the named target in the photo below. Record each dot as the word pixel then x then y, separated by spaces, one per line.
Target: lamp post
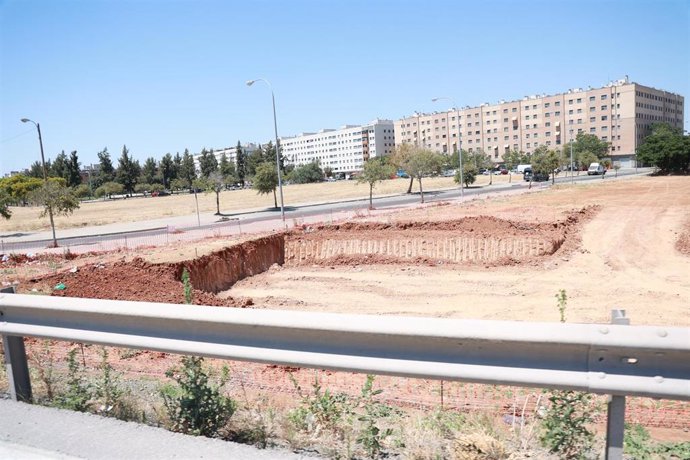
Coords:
pixel 275 127
pixel 457 108
pixel 45 175
pixel 572 173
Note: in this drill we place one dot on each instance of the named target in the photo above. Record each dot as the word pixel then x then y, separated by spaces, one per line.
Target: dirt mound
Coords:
pixel 683 242
pixel 136 280
pixel 486 240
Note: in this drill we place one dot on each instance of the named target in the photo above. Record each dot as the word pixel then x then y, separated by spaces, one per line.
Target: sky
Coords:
pixel 162 76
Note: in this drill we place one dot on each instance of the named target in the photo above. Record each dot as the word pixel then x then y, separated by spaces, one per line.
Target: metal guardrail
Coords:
pixel 616 359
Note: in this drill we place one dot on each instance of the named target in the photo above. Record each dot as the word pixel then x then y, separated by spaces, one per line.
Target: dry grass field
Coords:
pixel 137 209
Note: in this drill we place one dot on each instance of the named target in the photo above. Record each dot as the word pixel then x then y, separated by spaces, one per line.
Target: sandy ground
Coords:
pixel 627 259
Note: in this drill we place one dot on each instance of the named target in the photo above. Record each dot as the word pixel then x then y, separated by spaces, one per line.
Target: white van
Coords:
pixel 521 168
pixel 596 169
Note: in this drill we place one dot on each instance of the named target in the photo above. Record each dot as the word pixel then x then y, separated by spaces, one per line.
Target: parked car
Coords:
pixel 596 169
pixel 538 177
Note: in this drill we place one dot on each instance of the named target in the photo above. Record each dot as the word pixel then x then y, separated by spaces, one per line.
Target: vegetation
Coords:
pixel 666 148
pixel 266 180
pixel 196 406
pixel 108 189
pixel 307 174
pixel 128 171
pixel 374 171
pixel 545 161
pixel 78 394
pixel 53 196
pixel 187 285
pixel 417 163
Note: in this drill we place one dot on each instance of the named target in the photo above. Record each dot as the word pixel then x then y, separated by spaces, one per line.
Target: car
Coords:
pixel 534 177
pixel 449 173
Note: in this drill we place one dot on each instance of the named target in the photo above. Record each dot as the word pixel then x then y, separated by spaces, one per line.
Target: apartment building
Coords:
pixel 620 113
pixel 230 153
pixel 344 150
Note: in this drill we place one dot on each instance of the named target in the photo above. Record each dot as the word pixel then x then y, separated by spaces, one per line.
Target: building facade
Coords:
pixel 620 113
pixel 344 150
pixel 230 154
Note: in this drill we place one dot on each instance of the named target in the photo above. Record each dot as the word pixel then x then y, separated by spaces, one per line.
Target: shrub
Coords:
pixel 196 407
pixel 78 396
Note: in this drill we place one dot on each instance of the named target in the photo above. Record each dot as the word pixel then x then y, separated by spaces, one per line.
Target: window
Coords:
pixel 534 107
pixel 547 115
pixel 548 133
pixel 514 109
pixel 527 135
pixel 528 145
pixel 570 112
pixel 547 105
pixel 604 97
pixel 527 107
pixel 558 103
pixel 557 113
pixel 592 109
pixel 547 124
pixel 579 121
pixel 570 122
pixel 579 110
pixel 604 118
pixel 604 107
pixel 604 128
pixel 579 100
pixel 592 130
pixel 592 98
pixel 570 102
pixel 592 119
pixel 505 120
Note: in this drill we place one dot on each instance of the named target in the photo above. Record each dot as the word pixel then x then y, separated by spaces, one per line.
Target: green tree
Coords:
pixel 149 172
pixel 128 171
pixel 544 161
pixel 55 199
pixel 36 169
pixel 266 180
pixel 422 163
pixel 307 174
pixel 400 157
pixel 5 202
pixel 167 170
pixel 469 174
pixel 106 171
pixel 109 189
pixel 374 171
pixel 512 159
pixel 215 183
pixel 590 143
pixel 59 167
pixel 666 148
pixel 82 191
pixel 187 169
pixel 18 187
pixel 227 169
pixel 253 161
pixel 241 161
pixel 73 170
pixel 207 162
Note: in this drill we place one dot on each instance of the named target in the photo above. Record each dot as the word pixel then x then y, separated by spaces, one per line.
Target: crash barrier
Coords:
pixel 615 359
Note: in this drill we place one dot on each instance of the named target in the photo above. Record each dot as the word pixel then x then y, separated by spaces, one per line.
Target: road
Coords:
pixel 155 232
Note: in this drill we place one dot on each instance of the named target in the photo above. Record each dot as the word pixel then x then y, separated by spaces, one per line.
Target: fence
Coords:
pixel 614 359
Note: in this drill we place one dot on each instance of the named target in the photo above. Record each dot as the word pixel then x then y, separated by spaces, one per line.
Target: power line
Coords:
pixel 16 136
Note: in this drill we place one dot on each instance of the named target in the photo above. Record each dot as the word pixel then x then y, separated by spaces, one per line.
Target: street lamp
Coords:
pixel 572 173
pixel 462 183
pixel 45 175
pixel 275 127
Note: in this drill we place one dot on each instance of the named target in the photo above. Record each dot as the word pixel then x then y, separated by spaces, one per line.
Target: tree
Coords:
pixel 215 183
pixel 328 171
pixel 307 174
pixel 590 143
pixel 375 170
pixel 128 171
pixel 666 148
pixel 266 180
pixel 253 161
pixel 544 161
pixel 422 163
pixel 106 171
pixel 402 154
pixel 5 202
pixel 59 167
pixel 227 169
pixel 512 159
pixel 73 171
pixel 109 189
pixel 56 199
pixel 167 169
pixel 469 174
pixel 82 191
pixel 18 187
pixel 241 162
pixel 36 169
pixel 178 184
pixel 148 172
pixel 207 163
pixel 187 169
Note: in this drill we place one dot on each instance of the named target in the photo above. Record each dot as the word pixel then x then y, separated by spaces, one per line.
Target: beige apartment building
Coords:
pixel 620 113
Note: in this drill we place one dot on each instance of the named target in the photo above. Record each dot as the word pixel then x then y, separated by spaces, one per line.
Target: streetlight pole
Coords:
pixel 457 108
pixel 572 173
pixel 45 175
pixel 275 127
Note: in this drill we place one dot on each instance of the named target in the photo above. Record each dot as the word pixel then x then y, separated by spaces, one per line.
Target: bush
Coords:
pixel 196 407
pixel 307 174
pixel 78 395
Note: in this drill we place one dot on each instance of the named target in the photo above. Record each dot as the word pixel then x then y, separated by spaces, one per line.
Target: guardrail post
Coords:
pixel 16 365
pixel 615 420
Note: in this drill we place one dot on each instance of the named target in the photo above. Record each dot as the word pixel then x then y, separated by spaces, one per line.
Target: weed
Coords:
pixel 639 445
pixel 45 366
pixel 78 396
pixel 187 286
pixel 196 406
pixel 371 436
pixel 127 353
pixel 320 410
pixel 562 299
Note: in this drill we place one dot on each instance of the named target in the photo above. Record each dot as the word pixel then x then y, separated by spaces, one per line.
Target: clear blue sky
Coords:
pixel 162 76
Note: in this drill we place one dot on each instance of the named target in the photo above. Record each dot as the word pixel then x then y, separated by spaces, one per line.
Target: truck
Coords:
pixel 596 169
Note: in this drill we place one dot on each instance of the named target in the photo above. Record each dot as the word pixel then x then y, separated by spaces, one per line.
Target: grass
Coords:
pixel 138 209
